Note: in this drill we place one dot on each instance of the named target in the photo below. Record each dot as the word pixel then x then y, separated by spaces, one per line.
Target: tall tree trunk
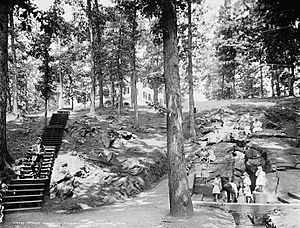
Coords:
pixel 113 93
pixel 92 49
pixel 46 112
pixel 134 94
pixel 190 74
pixel 223 81
pixel 272 83
pixel 121 89
pixel 233 85
pixel 98 57
pixel 179 196
pixel 46 84
pixel 9 97
pixel 4 155
pixel 120 74
pixel 261 82
pixel 101 91
pixel 291 81
pixel 14 58
pixel 133 81
pixel 60 102
pixel 155 94
pixel 277 84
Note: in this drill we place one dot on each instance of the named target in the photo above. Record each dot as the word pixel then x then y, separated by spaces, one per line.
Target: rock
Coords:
pixel 227 110
pixel 126 134
pixel 102 155
pixel 205 130
pixel 108 138
pixel 60 211
pixel 133 166
pixel 213 138
pixel 106 154
pixel 84 206
pixel 119 143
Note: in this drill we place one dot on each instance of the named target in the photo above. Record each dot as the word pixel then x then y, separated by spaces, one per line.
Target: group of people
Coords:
pixel 247 125
pixel 241 192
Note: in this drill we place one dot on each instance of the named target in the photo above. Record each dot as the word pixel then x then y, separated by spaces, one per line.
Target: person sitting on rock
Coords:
pixel 260 179
pixel 211 155
pixel 257 125
pixel 37 151
pixel 64 188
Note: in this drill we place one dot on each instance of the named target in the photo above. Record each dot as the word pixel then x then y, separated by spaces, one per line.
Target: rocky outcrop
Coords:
pixel 229 132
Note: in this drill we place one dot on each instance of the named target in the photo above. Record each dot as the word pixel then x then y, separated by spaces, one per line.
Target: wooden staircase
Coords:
pixel 28 193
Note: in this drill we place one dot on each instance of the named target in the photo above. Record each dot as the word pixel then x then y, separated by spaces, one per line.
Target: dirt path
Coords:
pixel 149 210
pixel 146 210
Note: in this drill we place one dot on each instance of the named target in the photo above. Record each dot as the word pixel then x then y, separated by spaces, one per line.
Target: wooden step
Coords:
pixel 45 168
pixel 28 163
pixel 47 148
pixel 10 198
pixel 45 153
pixel 24 186
pixel 23 191
pixel 29 157
pixel 28 180
pixel 42 175
pixel 43 172
pixel 45 156
pixel 57 136
pixel 22 202
pixel 9 210
pixel 50 147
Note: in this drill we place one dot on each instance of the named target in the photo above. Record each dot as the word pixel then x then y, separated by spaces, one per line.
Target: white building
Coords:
pixel 144 94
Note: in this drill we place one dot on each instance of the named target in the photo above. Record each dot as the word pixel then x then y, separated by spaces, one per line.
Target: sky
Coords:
pixel 45 4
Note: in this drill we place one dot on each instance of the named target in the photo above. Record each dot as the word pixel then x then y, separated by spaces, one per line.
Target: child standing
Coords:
pixel 217 188
pixel 247 187
pixel 260 179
